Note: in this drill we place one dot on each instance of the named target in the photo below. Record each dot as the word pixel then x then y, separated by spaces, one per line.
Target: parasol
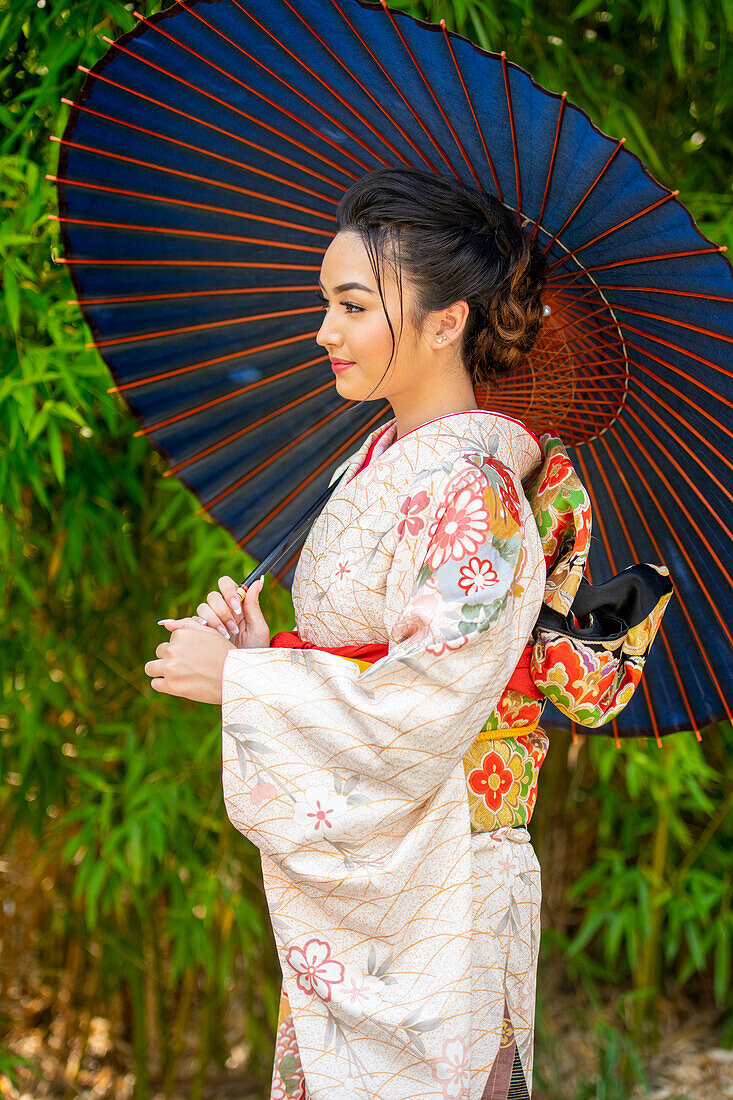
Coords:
pixel 198 178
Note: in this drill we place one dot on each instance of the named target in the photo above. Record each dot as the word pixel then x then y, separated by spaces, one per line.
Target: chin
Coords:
pixel 342 381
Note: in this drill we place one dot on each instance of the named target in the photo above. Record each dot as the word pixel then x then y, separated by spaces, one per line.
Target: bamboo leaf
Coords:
pixel 12 298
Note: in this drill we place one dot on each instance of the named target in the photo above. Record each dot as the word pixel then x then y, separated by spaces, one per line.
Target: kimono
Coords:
pixel 389 794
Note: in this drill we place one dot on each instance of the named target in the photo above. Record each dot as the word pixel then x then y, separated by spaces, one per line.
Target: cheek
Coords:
pixel 374 342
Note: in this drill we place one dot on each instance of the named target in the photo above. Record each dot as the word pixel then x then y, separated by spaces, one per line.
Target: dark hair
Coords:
pixel 454 242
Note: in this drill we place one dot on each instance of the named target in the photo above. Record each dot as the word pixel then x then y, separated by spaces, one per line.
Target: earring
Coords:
pixel 441 338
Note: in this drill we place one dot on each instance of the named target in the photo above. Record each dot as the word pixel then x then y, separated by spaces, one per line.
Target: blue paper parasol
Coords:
pixel 198 179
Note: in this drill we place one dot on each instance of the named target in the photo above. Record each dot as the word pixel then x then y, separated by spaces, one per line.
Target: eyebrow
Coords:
pixel 347 286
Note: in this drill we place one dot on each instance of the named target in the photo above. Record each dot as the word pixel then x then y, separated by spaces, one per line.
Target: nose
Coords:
pixel 327 336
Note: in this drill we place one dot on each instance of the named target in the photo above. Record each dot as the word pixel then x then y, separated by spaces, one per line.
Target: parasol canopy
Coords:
pixel 198 179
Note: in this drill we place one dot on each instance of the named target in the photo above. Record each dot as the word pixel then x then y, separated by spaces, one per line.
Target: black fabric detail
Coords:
pixel 517 1085
pixel 614 607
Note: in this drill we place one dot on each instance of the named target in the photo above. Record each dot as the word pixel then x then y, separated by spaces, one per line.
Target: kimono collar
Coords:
pixel 503 436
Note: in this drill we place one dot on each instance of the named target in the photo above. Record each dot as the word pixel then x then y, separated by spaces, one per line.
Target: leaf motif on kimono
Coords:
pixel 339 1041
pixel 308 659
pixel 371 554
pixel 411 1018
pixel 422 576
pixel 368 695
pixel 257 746
pixel 330 1030
pixel 388 979
pixel 242 759
pixel 412 664
pixel 428 1025
pixel 515 911
pixel 503 922
pixel 349 865
pixel 372 960
pixel 240 727
pixel 384 966
pixel 526 876
pixel 356 799
pixel 350 784
pixel 337 783
pixel 417 1042
pixel 279 926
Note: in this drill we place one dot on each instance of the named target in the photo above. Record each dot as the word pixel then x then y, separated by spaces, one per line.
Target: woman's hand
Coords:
pixel 191 664
pixel 244 622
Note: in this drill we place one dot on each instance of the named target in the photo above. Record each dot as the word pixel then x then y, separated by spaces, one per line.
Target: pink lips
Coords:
pixel 341 364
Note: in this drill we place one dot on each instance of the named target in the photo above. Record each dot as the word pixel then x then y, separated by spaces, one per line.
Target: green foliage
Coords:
pixel 657 897
pixel 120 787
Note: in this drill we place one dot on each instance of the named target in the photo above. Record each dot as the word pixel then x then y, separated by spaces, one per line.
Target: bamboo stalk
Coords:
pixel 647 972
pixel 183 1007
pixel 197 1085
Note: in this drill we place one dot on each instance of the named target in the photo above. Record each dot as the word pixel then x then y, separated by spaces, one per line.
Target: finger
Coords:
pixel 229 592
pixel 252 596
pixel 212 620
pixel 154 668
pixel 176 624
pixel 218 605
pixel 158 684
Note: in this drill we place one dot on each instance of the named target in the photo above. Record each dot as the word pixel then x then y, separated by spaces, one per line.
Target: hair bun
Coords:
pixel 509 323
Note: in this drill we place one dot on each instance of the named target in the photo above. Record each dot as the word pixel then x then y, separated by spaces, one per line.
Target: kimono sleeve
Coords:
pixel 322 755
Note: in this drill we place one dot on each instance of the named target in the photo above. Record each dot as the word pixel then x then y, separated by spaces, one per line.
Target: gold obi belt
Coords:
pixel 502 765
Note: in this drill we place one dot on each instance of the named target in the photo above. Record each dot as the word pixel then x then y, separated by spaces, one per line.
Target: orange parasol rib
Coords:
pixel 228 396
pixel 218 130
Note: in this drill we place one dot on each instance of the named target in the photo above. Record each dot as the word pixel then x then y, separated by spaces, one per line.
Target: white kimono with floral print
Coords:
pixel 400 934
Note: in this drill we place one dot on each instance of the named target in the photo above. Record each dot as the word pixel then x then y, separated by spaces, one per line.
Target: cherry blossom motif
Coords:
pixel 379 469
pixel 502 869
pixel 477 576
pixel 358 990
pixel 446 644
pixel 453 1069
pixel 259 793
pixel 321 813
pixel 316 971
pixel 411 509
pixel 342 573
pixel 458 529
pixel 523 995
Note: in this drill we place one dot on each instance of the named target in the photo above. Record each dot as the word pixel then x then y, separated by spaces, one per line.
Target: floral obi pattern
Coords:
pixel 591 640
pixel 503 765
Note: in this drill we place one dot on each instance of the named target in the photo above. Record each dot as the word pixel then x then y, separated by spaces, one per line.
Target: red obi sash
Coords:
pixel 520 680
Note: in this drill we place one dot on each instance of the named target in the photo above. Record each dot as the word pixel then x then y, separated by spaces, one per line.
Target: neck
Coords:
pixel 413 409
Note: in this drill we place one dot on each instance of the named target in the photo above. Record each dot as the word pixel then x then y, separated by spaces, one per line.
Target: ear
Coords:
pixel 450 322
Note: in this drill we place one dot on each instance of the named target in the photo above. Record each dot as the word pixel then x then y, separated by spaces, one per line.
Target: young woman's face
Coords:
pixel 355 328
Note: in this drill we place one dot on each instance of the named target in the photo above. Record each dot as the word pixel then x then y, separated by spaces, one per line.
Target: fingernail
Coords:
pixel 232 627
pixel 235 605
pixel 261 582
pixel 222 631
pixel 199 619
pixel 164 622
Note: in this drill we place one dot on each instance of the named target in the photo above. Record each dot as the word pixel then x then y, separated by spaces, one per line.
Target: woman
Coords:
pixel 388 788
